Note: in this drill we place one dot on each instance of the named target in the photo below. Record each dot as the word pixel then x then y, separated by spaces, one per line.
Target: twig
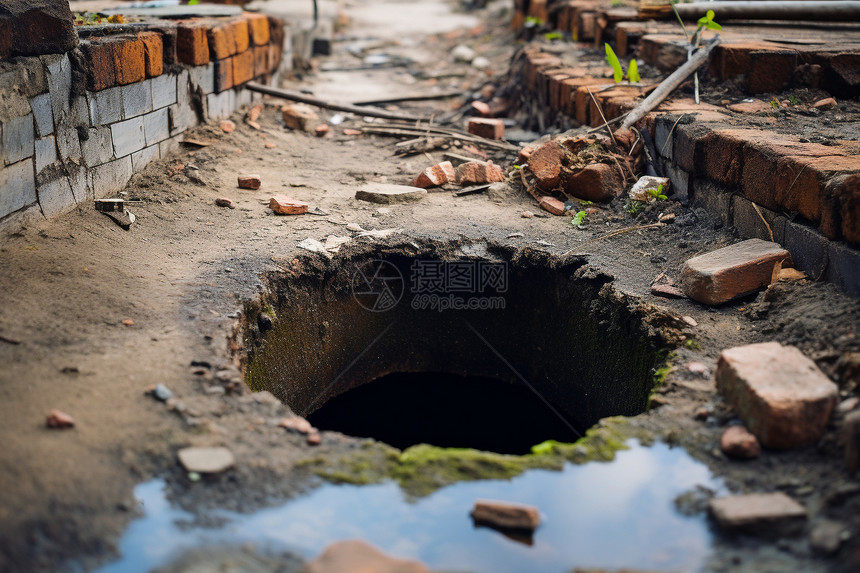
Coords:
pixel 671 131
pixel 603 117
pixel 414 97
pixel 608 123
pixel 613 234
pixel 434 130
pixel 769 230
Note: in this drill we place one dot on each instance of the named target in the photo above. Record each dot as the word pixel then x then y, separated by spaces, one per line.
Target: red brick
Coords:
pixel 101 70
pixel 223 74
pixel 733 271
pixel 243 67
pixel 722 155
pixel 770 70
pixel 258 25
pixel 192 46
pixel 249 181
pixel 58 419
pixel 299 117
pixel 849 201
pixel 129 61
pixel 506 515
pixel 153 53
pixel 222 44
pixel 486 127
pixel 476 172
pixel 800 181
pixel 436 175
pixel 261 60
pixel 780 394
pixel 283 205
pixel 241 34
pixel 552 205
pixel 545 162
pixel 738 442
pixel 595 182
pixel 734 59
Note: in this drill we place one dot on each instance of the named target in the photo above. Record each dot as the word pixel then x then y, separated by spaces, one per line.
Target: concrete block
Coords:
pixel 18 138
pixel 46 152
pixel 110 177
pixel 168 147
pixel 843 268
pixel 59 83
pixel 98 148
pixel 56 197
pixel 105 106
pixel 42 114
pixel 221 105
pixel 136 99
pixel 203 77
pixel 128 136
pixel 155 126
pixel 68 143
pixel 808 249
pixel 163 91
pixel 17 186
pixel 142 158
pixel 750 225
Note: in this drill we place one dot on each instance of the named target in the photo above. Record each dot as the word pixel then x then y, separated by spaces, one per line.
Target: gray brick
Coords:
pixel 243 98
pixel 663 127
pixel 46 152
pixel 105 106
pixel 18 138
pixel 143 157
pixel 110 177
pixel 78 181
pixel 221 105
pixel 168 147
pixel 843 269
pixel 155 126
pixel 136 99
pixel 68 143
pixel 41 106
pixel 715 198
pixel 808 249
pixel 56 197
pixel 17 186
pixel 30 76
pixel 163 90
pixel 203 77
pixel 750 226
pixel 680 180
pixel 128 136
pixel 98 148
pixel 59 83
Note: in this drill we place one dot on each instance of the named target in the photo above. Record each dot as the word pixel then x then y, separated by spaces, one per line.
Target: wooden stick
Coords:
pixel 833 11
pixel 414 97
pixel 669 85
pixel 436 131
pixel 349 108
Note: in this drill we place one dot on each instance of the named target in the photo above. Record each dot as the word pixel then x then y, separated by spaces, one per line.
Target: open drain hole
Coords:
pixel 396 370
pixel 446 410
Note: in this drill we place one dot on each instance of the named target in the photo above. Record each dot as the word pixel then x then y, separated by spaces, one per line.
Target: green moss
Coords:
pixel 692 344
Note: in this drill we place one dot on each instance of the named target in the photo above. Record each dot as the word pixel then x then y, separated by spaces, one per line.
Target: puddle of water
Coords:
pixel 613 515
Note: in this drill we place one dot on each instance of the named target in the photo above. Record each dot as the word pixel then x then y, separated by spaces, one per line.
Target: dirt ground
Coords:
pixel 187 266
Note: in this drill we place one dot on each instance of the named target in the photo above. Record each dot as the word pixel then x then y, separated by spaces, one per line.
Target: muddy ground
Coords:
pixel 187 269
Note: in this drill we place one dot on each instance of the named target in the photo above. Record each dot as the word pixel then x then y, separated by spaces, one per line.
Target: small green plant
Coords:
pixel 793 100
pixel 585 203
pixel 578 219
pixel 634 207
pixel 532 22
pixel 706 22
pixel 774 103
pixel 550 36
pixel 618 71
pixel 692 344
pixel 658 193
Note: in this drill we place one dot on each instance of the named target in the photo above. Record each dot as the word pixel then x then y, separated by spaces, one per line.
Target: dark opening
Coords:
pixel 446 410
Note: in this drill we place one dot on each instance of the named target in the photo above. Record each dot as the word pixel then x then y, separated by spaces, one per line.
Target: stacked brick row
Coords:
pixel 76 126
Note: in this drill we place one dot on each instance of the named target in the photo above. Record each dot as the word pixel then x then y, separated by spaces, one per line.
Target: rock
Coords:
pixel 283 205
pixel 759 513
pixel 847 405
pixel 781 395
pixel 595 182
pixel 733 271
pixel 552 205
pixel 314 438
pixel 504 515
pixel 486 127
pixel 646 183
pixel 128 322
pixel 349 131
pixel 463 54
pixel 738 442
pixel 228 126
pixel 224 202
pixel 58 419
pixel 545 163
pixel 437 175
pixel 250 181
pixel 851 435
pixel 825 104
pixel 697 367
pixel 321 130
pixel 270 145
pixel 482 109
pixel 475 172
pixel 206 460
pixel 353 556
pixel 481 63
pixel 300 117
pixel 296 424
pixel 162 392
pixel 826 536
pixel 527 214
pixel 388 194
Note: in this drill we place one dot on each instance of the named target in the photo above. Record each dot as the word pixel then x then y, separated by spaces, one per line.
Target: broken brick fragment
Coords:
pixel 321 130
pixel 300 117
pixel 552 205
pixel 283 205
pixel 545 163
pixel 436 175
pixel 595 182
pixel 486 127
pixel 250 181
pixel 475 172
pixel 58 419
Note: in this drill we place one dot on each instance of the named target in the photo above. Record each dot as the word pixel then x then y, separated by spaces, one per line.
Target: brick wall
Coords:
pixel 75 126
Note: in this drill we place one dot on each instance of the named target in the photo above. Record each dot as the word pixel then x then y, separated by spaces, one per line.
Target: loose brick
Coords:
pixel 551 205
pixel 153 52
pixel 759 513
pixel 222 44
pixel 825 104
pixel 192 45
pixel 781 395
pixel 101 69
pixel 283 205
pixel 249 181
pixel 595 182
pixel 129 60
pixel 243 67
pixel 731 272
pixel 476 172
pixel 258 25
pixel 506 515
pixel 488 128
pixel 545 163
pixel 436 175
pixel 223 74
pixel 299 117
pixel 738 442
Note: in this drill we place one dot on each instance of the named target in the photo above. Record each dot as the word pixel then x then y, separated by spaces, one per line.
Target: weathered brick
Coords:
pixel 595 182
pixel 283 205
pixel 551 205
pixel 477 172
pixel 261 60
pixel 738 442
pixel 163 91
pixel 128 136
pixel 750 225
pixel 18 138
pixel 801 181
pixel 722 157
pixel 192 46
pixel 506 515
pixel 223 74
pixel 759 513
pixel 436 175
pixel 714 197
pixel 249 181
pixel 68 142
pixel 486 127
pixel 17 186
pixel 101 69
pixel 770 70
pixel 687 146
pixel 202 78
pixel 258 25
pixel 780 394
pixel 38 27
pixel 105 106
pixel 221 105
pixel 222 44
pixel 153 52
pixel 243 67
pixel 56 197
pixel 843 267
pixel 110 177
pixel 144 157
pixel 733 271
pixel 98 147
pixel 300 117
pixel 136 99
pixel 155 126
pixel 129 60
pixel 46 152
pixel 241 34
pixel 545 163
pixel 42 114
pixel 849 208
pixel 734 59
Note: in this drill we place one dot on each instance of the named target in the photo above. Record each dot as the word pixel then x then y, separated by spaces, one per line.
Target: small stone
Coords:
pixel 299 117
pixel 58 419
pixel 697 367
pixel 228 126
pixel 825 104
pixel 162 392
pixel 847 405
pixel 781 395
pixel 851 436
pixel 689 320
pixel 476 172
pixel 738 442
pixel 206 460
pixel 389 194
pixel 250 181
pixel 296 424
pixel 527 214
pixel 224 202
pixel 481 63
pixel 667 290
pixel 314 438
pixel 437 175
pixel 733 271
pixel 504 515
pixel 128 322
pixel 283 205
pixel 646 184
pixel 463 53
pixel 552 205
pixel 486 127
pixel 826 536
pixel 483 109
pixel 321 130
pixel 270 145
pixel 349 131
pixel 759 513
pixel 356 556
